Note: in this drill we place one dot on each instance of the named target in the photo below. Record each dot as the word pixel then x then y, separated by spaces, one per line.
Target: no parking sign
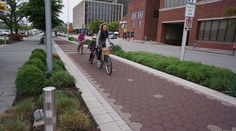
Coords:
pixel 188 23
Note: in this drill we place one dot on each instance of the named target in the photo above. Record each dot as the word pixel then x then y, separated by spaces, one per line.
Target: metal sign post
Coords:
pixel 48 34
pixel 189 14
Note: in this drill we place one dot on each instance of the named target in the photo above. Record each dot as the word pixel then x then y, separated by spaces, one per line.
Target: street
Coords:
pixel 12 57
pixel 220 60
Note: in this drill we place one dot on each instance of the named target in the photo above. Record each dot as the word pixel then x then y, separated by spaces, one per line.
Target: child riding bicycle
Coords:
pixel 92 46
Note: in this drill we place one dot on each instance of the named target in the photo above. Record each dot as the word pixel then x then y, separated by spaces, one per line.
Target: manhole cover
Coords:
pixel 158 96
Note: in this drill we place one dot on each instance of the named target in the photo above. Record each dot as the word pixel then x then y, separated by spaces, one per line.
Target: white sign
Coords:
pixel 188 23
pixel 190 10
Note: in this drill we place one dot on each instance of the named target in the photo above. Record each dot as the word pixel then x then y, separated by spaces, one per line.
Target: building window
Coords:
pixel 230 33
pixel 134 15
pixel 218 30
pixel 207 30
pixel 174 3
pixel 222 30
pixel 140 14
pixel 214 30
pixel 139 23
pixel 201 30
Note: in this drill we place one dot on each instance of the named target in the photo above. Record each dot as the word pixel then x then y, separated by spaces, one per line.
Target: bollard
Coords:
pixel 234 47
pixel 5 39
pixel 49 109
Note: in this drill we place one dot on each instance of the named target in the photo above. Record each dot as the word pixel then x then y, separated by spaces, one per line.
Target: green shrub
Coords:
pixel 59 95
pixel 23 110
pixel 58 65
pixel 86 42
pixel 42 40
pixel 72 39
pixel 14 125
pixel 73 120
pixel 39 55
pixel 62 79
pixel 38 63
pixel 41 51
pixel 216 78
pixel 65 103
pixel 30 80
pixel 116 48
pixel 2 41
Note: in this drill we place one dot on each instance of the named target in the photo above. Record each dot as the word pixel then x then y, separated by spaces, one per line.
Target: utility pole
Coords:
pixel 48 34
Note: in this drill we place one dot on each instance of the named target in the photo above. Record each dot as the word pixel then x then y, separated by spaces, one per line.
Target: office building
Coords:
pixel 89 10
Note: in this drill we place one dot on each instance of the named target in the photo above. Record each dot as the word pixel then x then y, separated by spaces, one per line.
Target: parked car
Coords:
pixel 112 35
pixel 4 32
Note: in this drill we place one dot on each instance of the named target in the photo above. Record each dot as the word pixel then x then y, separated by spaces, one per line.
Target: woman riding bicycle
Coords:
pixel 102 36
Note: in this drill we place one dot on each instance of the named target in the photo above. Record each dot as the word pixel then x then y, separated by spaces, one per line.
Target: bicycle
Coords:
pixel 80 48
pixel 105 59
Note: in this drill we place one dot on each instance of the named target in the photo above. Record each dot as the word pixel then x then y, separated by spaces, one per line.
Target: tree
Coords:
pixel 94 26
pixel 13 15
pixel 113 26
pixel 36 13
pixel 230 11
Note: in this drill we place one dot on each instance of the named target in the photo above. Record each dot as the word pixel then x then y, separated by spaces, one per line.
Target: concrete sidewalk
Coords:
pixel 149 102
pixel 11 58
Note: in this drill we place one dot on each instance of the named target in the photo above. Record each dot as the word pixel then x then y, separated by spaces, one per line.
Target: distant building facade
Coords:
pixel 89 10
pixel 212 27
pixel 141 20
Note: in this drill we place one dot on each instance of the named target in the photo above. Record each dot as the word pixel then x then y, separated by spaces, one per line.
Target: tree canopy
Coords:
pixel 94 26
pixel 35 11
pixel 14 14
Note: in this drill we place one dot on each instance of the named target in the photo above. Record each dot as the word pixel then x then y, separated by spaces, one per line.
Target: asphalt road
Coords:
pixel 11 58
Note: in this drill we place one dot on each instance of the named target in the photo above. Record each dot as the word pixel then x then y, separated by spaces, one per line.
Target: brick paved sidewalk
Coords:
pixel 150 103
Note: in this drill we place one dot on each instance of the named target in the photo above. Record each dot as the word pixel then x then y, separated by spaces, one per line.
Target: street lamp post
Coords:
pixel 68 24
pixel 48 34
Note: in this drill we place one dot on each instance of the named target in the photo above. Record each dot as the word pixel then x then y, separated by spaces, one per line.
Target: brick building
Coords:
pixel 212 28
pixel 141 19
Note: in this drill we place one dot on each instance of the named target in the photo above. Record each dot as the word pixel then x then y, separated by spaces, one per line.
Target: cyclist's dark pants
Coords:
pixel 91 53
pixel 100 51
pixel 79 46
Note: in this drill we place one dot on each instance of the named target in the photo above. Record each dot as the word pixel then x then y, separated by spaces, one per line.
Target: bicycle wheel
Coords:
pixel 108 65
pixel 100 63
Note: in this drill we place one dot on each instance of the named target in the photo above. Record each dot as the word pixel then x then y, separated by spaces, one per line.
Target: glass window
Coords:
pixel 214 30
pixel 172 3
pixel 222 30
pixel 207 30
pixel 230 30
pixel 140 23
pixel 176 2
pixel 201 30
pixel 140 14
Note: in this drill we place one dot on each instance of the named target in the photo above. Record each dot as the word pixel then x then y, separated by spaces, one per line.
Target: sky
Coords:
pixel 64 14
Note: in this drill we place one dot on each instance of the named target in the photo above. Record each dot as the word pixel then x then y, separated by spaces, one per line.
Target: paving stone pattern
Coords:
pixel 152 102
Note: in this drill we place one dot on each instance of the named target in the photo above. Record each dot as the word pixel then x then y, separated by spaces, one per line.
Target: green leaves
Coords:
pixel 36 13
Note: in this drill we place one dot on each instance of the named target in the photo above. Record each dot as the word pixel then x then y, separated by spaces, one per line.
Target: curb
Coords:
pixel 211 94
pixel 105 116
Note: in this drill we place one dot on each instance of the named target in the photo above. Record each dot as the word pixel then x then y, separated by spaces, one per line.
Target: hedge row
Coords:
pixel 219 79
pixel 32 76
pixel 86 42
